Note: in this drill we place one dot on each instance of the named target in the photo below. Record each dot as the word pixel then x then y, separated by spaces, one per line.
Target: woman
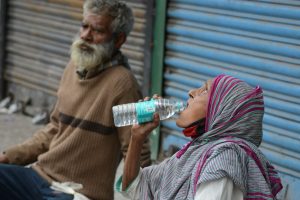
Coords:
pixel 224 120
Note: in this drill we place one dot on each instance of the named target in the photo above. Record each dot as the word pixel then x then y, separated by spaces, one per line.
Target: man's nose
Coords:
pixel 86 35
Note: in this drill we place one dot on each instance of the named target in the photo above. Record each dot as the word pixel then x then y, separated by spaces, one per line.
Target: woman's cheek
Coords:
pixel 181 120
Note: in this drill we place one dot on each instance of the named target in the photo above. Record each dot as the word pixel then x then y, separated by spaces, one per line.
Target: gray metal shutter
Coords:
pixel 256 41
pixel 3 12
pixel 138 44
pixel 39 37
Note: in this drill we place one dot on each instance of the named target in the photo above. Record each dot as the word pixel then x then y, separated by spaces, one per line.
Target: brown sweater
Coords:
pixel 81 143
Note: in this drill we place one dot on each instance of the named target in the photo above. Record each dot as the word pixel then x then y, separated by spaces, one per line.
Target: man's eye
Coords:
pixel 98 30
pixel 84 25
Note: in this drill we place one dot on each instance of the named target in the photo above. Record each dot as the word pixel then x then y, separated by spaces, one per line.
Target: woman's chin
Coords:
pixel 180 124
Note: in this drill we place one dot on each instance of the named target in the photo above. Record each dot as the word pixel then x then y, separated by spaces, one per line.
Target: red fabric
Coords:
pixel 191 131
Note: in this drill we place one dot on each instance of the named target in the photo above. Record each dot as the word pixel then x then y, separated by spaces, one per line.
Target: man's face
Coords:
pixel 96 29
pixel 95 43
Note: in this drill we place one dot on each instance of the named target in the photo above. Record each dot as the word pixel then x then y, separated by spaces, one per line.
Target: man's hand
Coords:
pixel 3 159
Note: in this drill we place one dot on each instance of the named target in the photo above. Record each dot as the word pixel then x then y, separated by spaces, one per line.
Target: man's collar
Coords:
pixel 118 59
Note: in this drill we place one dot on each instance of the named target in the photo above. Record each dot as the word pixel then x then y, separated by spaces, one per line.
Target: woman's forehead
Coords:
pixel 207 84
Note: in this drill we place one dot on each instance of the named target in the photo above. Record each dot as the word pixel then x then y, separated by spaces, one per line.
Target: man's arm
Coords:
pixel 28 151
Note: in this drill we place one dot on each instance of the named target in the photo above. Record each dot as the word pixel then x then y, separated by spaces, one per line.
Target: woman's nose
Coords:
pixel 192 93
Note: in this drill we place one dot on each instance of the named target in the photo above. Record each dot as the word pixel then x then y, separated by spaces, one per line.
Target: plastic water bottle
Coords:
pixel 141 112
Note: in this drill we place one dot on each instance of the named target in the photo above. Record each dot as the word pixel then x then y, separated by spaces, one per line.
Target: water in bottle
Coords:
pixel 141 112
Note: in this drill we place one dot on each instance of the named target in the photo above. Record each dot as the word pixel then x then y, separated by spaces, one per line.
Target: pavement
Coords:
pixel 15 128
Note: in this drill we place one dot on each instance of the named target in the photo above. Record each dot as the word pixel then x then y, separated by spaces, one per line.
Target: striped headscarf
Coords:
pixel 228 148
pixel 234 109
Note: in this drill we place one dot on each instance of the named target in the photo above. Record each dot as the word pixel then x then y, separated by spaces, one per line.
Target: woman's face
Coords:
pixel 196 106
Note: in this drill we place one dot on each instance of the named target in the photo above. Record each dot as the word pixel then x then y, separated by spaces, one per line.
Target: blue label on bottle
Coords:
pixel 145 111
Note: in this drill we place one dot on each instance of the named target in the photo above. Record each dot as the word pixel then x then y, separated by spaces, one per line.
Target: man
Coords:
pixel 79 150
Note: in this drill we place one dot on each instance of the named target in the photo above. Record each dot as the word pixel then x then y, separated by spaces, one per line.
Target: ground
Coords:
pixel 15 128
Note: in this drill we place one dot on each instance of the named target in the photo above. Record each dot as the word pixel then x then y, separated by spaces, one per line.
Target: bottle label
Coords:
pixel 145 111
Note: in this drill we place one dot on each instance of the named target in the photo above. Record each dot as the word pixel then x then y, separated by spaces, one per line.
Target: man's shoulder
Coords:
pixel 122 79
pixel 120 69
pixel 121 73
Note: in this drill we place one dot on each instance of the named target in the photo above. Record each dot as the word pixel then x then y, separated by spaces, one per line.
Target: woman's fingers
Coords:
pixel 155 96
pixel 156 119
pixel 141 131
pixel 150 126
pixel 146 98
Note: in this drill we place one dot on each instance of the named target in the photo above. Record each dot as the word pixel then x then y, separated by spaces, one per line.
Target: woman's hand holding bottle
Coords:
pixel 141 131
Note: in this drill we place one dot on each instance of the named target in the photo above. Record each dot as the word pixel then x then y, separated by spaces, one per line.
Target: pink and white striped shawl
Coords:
pixel 228 148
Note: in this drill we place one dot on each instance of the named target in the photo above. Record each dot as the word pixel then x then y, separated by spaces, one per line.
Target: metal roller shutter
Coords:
pixel 39 35
pixel 256 41
pixel 3 12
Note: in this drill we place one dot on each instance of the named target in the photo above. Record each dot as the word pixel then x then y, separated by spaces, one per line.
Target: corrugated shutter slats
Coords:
pixel 256 41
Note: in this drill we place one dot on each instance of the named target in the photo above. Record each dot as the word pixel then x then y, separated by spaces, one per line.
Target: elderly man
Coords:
pixel 77 153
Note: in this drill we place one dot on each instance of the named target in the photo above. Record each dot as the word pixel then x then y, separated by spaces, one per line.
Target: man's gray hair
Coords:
pixel 119 11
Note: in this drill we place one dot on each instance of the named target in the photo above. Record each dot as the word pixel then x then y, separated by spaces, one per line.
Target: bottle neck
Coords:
pixel 179 107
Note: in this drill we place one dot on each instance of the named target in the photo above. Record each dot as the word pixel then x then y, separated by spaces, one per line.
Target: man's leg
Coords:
pixel 18 183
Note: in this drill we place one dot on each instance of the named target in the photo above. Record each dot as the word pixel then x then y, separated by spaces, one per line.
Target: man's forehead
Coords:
pixel 97 17
pixel 100 21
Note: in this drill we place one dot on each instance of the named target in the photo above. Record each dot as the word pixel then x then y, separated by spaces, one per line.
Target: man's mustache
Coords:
pixel 84 46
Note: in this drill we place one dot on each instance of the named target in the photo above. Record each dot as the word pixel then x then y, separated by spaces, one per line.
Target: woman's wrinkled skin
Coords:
pixel 196 106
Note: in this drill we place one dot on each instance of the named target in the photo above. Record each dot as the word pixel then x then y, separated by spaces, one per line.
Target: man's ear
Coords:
pixel 120 40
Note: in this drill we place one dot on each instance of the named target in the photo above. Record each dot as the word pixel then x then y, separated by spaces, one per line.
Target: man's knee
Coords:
pixel 5 168
pixel 10 172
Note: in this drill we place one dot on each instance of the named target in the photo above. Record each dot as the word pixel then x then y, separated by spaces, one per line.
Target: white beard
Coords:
pixel 88 56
